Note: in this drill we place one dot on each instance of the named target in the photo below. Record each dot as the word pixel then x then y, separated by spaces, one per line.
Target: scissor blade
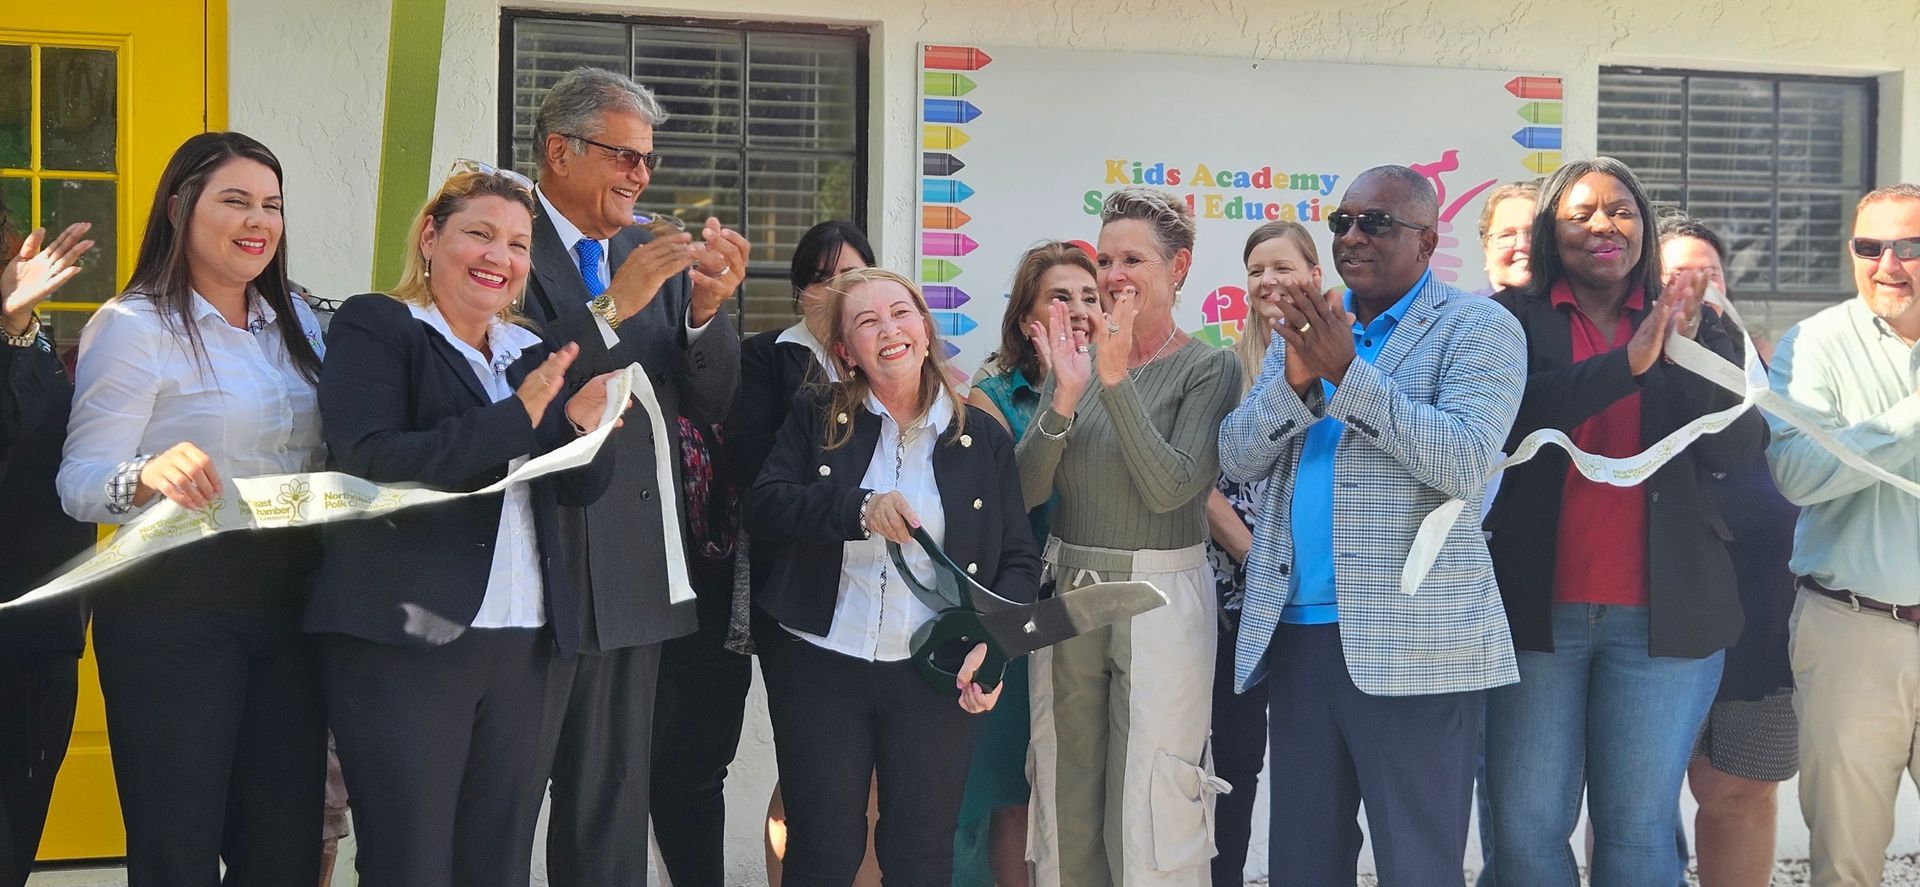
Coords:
pixel 1025 628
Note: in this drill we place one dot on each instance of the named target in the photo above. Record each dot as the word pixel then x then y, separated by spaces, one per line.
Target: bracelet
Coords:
pixel 865 503
pixel 603 306
pixel 27 337
pixel 1040 422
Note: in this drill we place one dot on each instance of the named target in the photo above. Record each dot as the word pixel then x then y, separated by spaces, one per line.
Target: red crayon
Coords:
pixel 1534 87
pixel 954 58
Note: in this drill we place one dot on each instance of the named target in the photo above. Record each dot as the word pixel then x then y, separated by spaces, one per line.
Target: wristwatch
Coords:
pixel 603 306
pixel 28 337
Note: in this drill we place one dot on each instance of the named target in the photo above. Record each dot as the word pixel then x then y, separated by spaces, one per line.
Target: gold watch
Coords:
pixel 603 306
pixel 28 337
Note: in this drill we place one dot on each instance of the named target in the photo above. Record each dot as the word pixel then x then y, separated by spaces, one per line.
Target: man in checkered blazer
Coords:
pixel 1370 412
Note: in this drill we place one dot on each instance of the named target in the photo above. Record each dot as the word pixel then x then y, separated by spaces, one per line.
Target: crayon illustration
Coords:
pixel 1545 137
pixel 953 58
pixel 946 243
pixel 948 111
pixel 953 323
pixel 944 191
pixel 937 83
pixel 1541 162
pixel 942 138
pixel 940 164
pixel 946 297
pixel 1541 112
pixel 951 350
pixel 1534 87
pixel 943 217
pixel 938 270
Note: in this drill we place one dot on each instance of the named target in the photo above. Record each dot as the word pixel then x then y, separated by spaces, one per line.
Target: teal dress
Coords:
pixel 998 777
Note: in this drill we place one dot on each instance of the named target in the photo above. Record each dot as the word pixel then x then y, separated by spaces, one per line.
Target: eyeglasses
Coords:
pixel 488 169
pixel 1374 222
pixel 1870 248
pixel 1511 237
pixel 624 159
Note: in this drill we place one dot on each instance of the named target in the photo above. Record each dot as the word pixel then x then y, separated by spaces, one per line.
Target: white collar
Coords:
pixel 800 335
pixel 936 418
pixel 505 340
pixel 260 315
pixel 570 233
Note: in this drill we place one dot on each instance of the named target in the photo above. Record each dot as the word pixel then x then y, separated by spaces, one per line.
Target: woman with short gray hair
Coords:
pixel 1129 441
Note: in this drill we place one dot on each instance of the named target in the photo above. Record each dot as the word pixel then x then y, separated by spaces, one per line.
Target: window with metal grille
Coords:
pixel 1774 164
pixel 765 127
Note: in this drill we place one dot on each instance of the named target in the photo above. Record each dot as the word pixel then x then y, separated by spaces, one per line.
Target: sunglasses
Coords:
pixel 488 169
pixel 1870 248
pixel 1374 222
pixel 624 159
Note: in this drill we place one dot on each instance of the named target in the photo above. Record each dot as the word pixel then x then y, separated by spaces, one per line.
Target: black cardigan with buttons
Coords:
pixel 807 502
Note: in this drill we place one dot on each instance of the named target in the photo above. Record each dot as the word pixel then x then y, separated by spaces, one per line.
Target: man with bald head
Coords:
pixel 1373 409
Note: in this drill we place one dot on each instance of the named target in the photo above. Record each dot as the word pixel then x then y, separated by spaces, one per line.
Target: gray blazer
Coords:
pixel 1425 423
pixel 624 599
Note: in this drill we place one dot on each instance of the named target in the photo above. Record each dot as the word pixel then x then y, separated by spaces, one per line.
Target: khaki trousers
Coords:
pixel 1857 693
pixel 1123 786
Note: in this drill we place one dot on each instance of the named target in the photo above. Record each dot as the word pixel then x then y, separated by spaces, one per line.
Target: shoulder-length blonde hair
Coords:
pixel 850 394
pixel 1254 337
pixel 455 193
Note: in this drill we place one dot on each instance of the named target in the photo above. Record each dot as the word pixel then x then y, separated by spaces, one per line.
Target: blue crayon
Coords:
pixel 944 191
pixel 948 111
pixel 1545 138
pixel 953 323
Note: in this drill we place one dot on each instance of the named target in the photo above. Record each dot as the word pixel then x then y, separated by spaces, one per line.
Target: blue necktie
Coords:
pixel 589 251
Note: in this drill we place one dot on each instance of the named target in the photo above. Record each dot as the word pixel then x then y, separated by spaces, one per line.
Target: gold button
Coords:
pixel 972 569
pixel 966 440
pixel 824 471
pixel 976 504
pixel 842 418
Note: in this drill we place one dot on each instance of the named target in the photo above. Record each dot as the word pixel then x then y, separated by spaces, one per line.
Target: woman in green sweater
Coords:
pixel 1123 789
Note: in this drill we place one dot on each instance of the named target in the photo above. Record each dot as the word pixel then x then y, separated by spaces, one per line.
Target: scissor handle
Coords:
pixel 940 648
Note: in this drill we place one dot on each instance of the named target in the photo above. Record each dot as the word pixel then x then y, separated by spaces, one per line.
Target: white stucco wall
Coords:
pixel 308 79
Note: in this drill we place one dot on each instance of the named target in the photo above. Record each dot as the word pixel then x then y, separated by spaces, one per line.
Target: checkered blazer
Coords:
pixel 1425 423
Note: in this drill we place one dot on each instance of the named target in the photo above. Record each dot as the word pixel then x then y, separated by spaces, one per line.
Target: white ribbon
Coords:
pixel 1750 383
pixel 277 501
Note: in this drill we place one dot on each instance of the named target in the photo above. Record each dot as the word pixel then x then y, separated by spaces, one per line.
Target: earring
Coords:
pixel 427 272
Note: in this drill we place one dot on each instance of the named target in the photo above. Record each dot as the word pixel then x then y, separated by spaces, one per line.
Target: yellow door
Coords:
pixel 94 97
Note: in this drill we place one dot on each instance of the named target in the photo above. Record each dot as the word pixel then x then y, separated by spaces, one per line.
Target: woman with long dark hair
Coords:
pixel 203 370
pixel 1621 599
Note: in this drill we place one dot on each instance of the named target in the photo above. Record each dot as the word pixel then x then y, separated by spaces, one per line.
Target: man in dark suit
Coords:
pixel 626 296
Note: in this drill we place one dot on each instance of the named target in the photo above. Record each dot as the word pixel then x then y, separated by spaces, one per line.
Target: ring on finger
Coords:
pixel 1082 349
pixel 1305 326
pixel 1113 329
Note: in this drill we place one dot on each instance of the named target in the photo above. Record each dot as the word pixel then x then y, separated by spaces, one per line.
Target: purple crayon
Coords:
pixel 943 296
pixel 946 243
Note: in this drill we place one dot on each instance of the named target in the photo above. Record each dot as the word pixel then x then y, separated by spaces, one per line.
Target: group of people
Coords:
pixel 472 658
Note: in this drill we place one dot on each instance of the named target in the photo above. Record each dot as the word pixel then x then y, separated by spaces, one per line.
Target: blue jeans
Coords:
pixel 1597 713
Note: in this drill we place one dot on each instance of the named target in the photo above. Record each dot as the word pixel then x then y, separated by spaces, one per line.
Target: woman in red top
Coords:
pixel 1621 599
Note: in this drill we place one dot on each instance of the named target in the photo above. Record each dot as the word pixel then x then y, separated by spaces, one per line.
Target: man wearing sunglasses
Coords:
pixel 625 295
pixel 1855 642
pixel 1374 409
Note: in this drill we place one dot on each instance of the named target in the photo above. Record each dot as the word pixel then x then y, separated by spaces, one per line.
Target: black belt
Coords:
pixel 1908 613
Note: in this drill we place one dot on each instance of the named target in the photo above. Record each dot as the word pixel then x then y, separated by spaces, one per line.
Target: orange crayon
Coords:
pixel 944 218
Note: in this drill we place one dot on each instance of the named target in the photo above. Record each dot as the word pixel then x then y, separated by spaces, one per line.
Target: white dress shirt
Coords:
pixel 798 334
pixel 515 595
pixel 877 613
pixel 570 234
pixel 140 389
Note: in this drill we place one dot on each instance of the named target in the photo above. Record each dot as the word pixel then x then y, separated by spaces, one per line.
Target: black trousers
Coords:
pixel 602 760
pixel 1411 758
pixel 1239 751
pixel 837 722
pixel 440 748
pixel 699 707
pixel 214 714
pixel 36 698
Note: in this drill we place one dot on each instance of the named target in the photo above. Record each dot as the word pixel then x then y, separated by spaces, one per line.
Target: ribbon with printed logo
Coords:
pixel 278 501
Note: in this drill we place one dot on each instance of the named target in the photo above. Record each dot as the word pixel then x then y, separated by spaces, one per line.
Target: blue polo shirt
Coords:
pixel 1312 599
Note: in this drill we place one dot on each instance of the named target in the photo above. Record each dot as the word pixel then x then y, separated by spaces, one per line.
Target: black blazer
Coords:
pixel 807 502
pixel 771 373
pixel 399 404
pixel 1691 589
pixel 625 600
pixel 35 395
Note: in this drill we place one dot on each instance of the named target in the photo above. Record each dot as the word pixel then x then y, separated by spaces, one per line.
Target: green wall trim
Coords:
pixel 406 137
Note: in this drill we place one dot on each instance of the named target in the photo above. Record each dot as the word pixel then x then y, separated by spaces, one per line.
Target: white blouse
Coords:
pixel 515 595
pixel 139 389
pixel 877 613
